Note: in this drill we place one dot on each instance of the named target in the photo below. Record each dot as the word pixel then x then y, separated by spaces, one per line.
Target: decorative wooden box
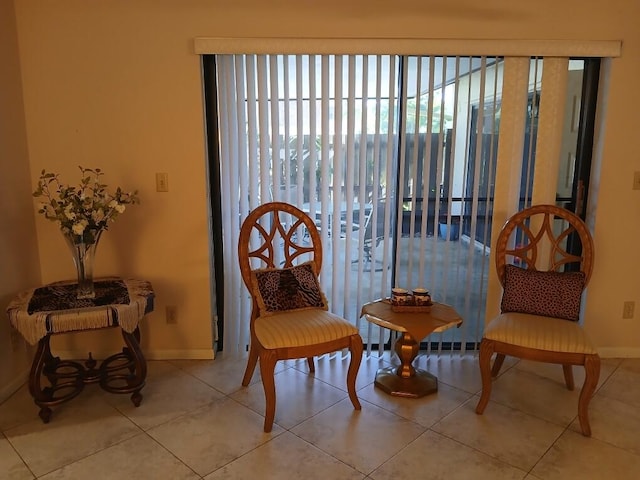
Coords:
pixel 410 307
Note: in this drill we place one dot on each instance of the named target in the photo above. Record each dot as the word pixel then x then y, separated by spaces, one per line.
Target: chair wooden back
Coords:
pixel 536 238
pixel 277 235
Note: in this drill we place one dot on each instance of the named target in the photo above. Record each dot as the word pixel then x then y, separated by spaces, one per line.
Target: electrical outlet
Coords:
pixel 172 314
pixel 162 182
pixel 627 309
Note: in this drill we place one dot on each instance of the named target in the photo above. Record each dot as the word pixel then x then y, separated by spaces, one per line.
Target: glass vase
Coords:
pixel 83 251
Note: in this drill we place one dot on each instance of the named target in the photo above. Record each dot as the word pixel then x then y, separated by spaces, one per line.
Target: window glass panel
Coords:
pixel 394 157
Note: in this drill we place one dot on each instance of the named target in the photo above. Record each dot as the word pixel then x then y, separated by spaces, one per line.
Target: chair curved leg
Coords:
pixel 312 365
pixel 355 347
pixel 268 361
pixel 497 365
pixel 592 375
pixel 486 351
pixel 251 365
pixel 568 376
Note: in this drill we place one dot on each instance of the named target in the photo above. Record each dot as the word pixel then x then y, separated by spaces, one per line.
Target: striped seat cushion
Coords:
pixel 542 333
pixel 301 328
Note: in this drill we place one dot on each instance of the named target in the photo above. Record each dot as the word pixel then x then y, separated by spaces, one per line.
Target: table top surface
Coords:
pixel 53 308
pixel 417 324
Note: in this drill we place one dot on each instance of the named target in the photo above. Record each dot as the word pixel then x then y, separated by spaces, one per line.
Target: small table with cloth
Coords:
pixel 54 309
pixel 406 380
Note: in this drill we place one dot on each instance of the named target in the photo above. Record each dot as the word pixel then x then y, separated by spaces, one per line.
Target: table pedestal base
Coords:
pixel 405 380
pixel 124 372
pixel 420 384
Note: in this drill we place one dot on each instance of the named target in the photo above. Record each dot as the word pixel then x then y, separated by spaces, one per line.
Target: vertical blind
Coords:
pixel 317 132
pixel 395 157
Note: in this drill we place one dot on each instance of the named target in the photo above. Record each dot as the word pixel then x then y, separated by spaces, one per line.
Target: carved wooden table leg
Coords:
pixel 63 376
pixel 40 397
pixel 137 381
pixel 126 372
pixel 406 381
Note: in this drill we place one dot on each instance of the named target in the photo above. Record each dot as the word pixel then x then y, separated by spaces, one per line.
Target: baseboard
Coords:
pixel 619 352
pixel 14 385
pixel 193 354
pixel 200 354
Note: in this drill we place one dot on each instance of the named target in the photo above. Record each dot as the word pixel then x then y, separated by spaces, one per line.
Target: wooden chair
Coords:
pixel 278 236
pixel 535 239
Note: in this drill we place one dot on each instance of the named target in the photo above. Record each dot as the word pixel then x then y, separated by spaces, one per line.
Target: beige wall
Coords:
pixel 116 84
pixel 19 264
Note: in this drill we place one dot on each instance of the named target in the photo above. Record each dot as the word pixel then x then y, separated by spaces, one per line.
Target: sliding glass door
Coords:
pixel 376 149
pixel 395 157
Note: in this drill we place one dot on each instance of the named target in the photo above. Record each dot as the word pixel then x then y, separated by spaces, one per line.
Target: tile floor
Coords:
pixel 197 422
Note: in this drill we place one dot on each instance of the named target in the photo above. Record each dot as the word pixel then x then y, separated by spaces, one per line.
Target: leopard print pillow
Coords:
pixel 285 289
pixel 550 294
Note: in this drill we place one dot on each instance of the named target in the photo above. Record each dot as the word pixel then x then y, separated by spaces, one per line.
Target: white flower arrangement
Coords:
pixel 83 211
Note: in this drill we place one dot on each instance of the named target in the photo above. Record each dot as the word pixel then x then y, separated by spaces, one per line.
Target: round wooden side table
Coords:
pixel 406 380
